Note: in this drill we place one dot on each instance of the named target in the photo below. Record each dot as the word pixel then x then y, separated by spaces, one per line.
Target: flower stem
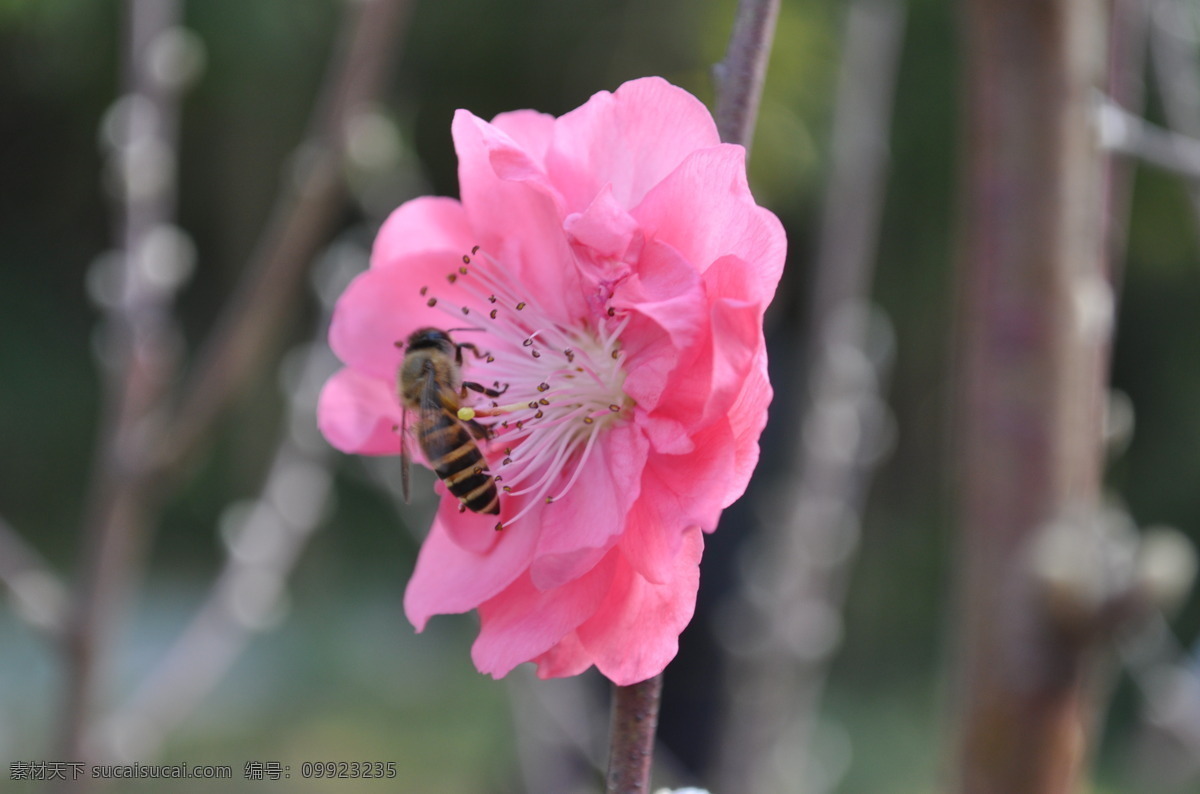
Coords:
pixel 631 745
pixel 740 76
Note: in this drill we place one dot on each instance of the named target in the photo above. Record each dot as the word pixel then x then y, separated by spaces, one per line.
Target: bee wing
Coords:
pixel 436 401
pixel 405 461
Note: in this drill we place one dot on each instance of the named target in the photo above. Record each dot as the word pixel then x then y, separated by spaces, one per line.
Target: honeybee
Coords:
pixel 431 386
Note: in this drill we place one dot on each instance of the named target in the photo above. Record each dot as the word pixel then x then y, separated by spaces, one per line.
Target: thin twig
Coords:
pixel 1177 63
pixel 139 447
pixel 808 543
pixel 740 76
pixel 302 218
pixel 1125 133
pixel 1176 58
pixel 263 550
pixel 631 748
pixel 39 595
pixel 139 362
pixel 1127 45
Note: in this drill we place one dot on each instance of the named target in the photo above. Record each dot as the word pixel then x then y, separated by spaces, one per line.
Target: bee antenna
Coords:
pixel 455 330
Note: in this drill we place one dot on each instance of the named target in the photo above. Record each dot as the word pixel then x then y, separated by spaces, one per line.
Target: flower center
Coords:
pixel 559 387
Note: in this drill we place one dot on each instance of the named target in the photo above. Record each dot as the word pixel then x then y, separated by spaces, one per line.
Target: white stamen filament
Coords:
pixel 562 387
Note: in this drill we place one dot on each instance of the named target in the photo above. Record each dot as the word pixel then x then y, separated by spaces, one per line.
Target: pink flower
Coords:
pixel 619 287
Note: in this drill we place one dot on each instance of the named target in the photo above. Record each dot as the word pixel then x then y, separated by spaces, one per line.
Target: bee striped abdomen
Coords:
pixel 456 459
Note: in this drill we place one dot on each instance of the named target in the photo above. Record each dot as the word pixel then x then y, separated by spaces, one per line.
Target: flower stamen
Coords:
pixel 565 384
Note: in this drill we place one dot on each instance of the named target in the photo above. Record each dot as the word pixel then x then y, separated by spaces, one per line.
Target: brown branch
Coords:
pixel 740 76
pixel 301 220
pixel 631 746
pixel 1036 320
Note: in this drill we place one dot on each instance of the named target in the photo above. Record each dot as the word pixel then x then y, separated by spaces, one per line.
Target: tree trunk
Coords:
pixel 1036 323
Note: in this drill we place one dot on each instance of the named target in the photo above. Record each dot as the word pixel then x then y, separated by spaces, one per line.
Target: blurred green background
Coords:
pixel 341 675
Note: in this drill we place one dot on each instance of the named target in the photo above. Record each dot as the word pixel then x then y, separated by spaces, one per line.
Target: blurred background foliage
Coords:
pixel 341 675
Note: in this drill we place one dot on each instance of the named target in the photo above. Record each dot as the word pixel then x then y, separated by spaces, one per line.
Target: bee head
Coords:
pixel 425 338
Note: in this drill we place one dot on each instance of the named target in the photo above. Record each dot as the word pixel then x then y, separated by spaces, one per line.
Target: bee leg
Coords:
pixel 469 346
pixel 479 387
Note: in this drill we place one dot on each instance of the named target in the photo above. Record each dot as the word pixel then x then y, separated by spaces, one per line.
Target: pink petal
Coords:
pixel 555 570
pixel 567 658
pixel 449 579
pixel 604 227
pixel 429 223
pixel 635 631
pixel 524 622
pixel 700 480
pixel 359 414
pixel 679 493
pixel 704 385
pixel 529 130
pixel 649 545
pixel 705 210
pixel 516 213
pixel 737 341
pixel 666 435
pixel 383 305
pixel 747 420
pixel 667 301
pixel 473 532
pixel 631 138
pixel 578 528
